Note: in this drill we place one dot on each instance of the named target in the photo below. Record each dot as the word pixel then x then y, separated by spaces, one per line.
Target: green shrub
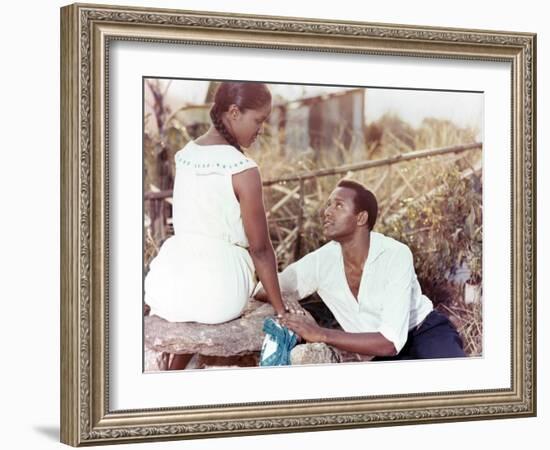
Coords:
pixel 443 229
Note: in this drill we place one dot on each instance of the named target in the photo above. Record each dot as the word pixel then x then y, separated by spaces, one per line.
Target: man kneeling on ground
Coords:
pixel 368 282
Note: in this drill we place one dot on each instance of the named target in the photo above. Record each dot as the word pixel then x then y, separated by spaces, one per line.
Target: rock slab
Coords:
pixel 313 353
pixel 242 336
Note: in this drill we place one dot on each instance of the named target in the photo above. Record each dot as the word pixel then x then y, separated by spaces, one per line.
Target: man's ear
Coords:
pixel 362 218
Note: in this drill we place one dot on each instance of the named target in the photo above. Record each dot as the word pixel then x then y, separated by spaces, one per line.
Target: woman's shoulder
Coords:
pixel 221 158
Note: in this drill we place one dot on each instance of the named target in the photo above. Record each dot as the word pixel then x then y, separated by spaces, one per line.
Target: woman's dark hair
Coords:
pixel 364 200
pixel 244 95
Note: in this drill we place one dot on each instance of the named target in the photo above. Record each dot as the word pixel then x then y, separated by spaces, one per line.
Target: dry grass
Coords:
pixel 467 318
pixel 397 187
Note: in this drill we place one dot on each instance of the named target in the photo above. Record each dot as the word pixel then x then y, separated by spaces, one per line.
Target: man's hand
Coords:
pixel 305 326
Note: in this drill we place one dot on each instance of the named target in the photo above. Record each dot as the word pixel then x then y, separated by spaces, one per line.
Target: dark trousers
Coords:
pixel 436 337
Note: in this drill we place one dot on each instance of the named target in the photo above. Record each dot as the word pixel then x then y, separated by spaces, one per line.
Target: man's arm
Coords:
pixel 374 344
pixel 297 281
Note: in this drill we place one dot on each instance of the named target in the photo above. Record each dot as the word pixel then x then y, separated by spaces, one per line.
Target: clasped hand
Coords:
pixel 304 326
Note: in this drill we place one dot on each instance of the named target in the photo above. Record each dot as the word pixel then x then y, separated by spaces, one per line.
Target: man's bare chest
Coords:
pixel 353 278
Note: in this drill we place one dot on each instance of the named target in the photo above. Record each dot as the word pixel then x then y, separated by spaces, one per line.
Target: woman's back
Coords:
pixel 204 201
pixel 203 273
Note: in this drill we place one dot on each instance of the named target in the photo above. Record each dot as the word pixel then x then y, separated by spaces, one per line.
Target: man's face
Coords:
pixel 339 218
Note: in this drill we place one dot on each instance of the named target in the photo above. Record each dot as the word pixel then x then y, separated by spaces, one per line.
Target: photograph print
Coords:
pixel 291 224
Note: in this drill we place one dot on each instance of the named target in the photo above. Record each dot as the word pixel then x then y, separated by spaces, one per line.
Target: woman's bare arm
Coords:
pixel 248 189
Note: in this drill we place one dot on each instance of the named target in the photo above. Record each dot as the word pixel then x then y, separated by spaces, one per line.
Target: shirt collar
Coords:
pixel 375 250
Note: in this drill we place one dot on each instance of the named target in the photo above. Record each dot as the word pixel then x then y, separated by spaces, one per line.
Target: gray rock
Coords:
pixel 346 357
pixel 223 362
pixel 241 336
pixel 313 353
pixel 155 361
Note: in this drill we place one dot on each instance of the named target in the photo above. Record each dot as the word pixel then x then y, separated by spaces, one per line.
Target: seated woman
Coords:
pixel 206 271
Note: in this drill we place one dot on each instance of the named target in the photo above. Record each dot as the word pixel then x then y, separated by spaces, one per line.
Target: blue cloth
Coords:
pixel 278 343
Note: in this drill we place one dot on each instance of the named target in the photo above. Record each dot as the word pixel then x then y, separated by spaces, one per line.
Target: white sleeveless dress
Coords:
pixel 204 273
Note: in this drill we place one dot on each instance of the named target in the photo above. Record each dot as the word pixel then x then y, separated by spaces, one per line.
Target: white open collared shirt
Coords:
pixel 389 301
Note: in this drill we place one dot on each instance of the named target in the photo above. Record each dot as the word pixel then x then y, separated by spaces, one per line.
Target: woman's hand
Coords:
pixel 292 306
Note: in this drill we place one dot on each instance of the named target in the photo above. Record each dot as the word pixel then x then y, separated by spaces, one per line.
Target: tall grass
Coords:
pixel 427 204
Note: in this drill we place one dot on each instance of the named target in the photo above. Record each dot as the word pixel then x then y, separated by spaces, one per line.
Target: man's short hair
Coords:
pixel 364 200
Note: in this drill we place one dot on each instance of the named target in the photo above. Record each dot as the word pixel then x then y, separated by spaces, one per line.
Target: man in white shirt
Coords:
pixel 368 282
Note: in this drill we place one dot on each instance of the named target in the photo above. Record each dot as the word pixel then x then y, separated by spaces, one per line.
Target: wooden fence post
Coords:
pixel 297 248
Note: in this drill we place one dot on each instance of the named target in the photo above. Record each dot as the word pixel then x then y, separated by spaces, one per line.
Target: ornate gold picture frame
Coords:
pixel 88 414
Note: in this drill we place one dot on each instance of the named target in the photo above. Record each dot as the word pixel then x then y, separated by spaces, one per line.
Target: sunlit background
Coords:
pixel 419 151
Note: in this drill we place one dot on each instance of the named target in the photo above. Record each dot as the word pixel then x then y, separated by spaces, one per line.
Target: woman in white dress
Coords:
pixel 205 272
